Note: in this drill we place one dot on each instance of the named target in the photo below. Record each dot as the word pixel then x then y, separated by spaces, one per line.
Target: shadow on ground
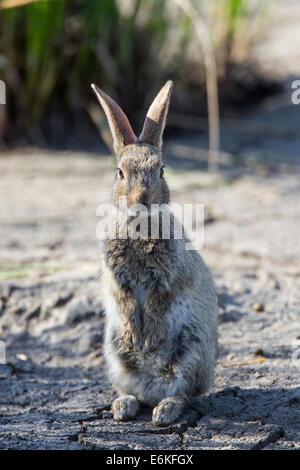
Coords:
pixel 47 406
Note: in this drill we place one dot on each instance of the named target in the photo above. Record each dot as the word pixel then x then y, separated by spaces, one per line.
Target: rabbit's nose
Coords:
pixel 138 196
pixel 143 197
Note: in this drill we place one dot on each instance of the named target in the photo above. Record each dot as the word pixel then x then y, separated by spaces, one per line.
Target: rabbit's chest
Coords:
pixel 140 293
pixel 135 264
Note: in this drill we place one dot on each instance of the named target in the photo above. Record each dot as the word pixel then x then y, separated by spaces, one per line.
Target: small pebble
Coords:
pixel 258 307
pixel 22 357
pixel 258 352
pixel 256 418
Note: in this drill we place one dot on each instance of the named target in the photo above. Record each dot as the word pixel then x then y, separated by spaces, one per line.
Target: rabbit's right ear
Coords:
pixel 119 125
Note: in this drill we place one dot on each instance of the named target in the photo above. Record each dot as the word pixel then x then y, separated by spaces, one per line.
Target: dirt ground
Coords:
pixel 53 390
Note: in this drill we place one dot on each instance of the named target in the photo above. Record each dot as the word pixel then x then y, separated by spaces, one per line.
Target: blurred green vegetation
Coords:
pixel 20 271
pixel 50 52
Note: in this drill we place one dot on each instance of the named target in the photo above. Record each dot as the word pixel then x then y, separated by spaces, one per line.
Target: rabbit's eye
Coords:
pixel 161 172
pixel 121 174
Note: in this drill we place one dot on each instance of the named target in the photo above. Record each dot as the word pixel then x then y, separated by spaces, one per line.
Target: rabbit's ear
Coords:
pixel 156 117
pixel 119 125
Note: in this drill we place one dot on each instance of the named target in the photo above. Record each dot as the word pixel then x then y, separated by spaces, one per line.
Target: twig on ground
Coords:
pixel 14 3
pixel 246 363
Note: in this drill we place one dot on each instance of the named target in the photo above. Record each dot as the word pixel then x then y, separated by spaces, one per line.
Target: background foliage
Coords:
pixel 50 52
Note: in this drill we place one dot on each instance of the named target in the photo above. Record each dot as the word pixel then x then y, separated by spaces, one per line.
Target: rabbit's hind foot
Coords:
pixel 168 410
pixel 125 407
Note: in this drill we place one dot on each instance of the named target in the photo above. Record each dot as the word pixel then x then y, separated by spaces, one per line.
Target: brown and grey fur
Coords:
pixel 159 298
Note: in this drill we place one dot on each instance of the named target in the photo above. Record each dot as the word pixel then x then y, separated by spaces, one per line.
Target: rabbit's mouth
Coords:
pixel 139 209
pixel 148 209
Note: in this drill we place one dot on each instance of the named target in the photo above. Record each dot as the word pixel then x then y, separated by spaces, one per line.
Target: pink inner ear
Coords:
pixel 119 125
pixel 123 125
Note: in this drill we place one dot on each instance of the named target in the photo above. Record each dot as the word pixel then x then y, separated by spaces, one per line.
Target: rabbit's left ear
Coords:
pixel 156 117
pixel 119 125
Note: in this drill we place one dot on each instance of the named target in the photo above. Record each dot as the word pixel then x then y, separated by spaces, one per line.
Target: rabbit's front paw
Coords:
pixel 154 335
pixel 168 410
pixel 125 407
pixel 131 340
pixel 152 342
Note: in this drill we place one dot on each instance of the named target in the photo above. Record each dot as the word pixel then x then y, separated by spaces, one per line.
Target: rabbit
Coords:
pixel 159 298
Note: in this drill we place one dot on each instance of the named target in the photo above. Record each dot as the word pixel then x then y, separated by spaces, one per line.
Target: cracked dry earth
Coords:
pixel 53 390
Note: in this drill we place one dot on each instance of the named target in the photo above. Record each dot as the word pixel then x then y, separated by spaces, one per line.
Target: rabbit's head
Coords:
pixel 140 173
